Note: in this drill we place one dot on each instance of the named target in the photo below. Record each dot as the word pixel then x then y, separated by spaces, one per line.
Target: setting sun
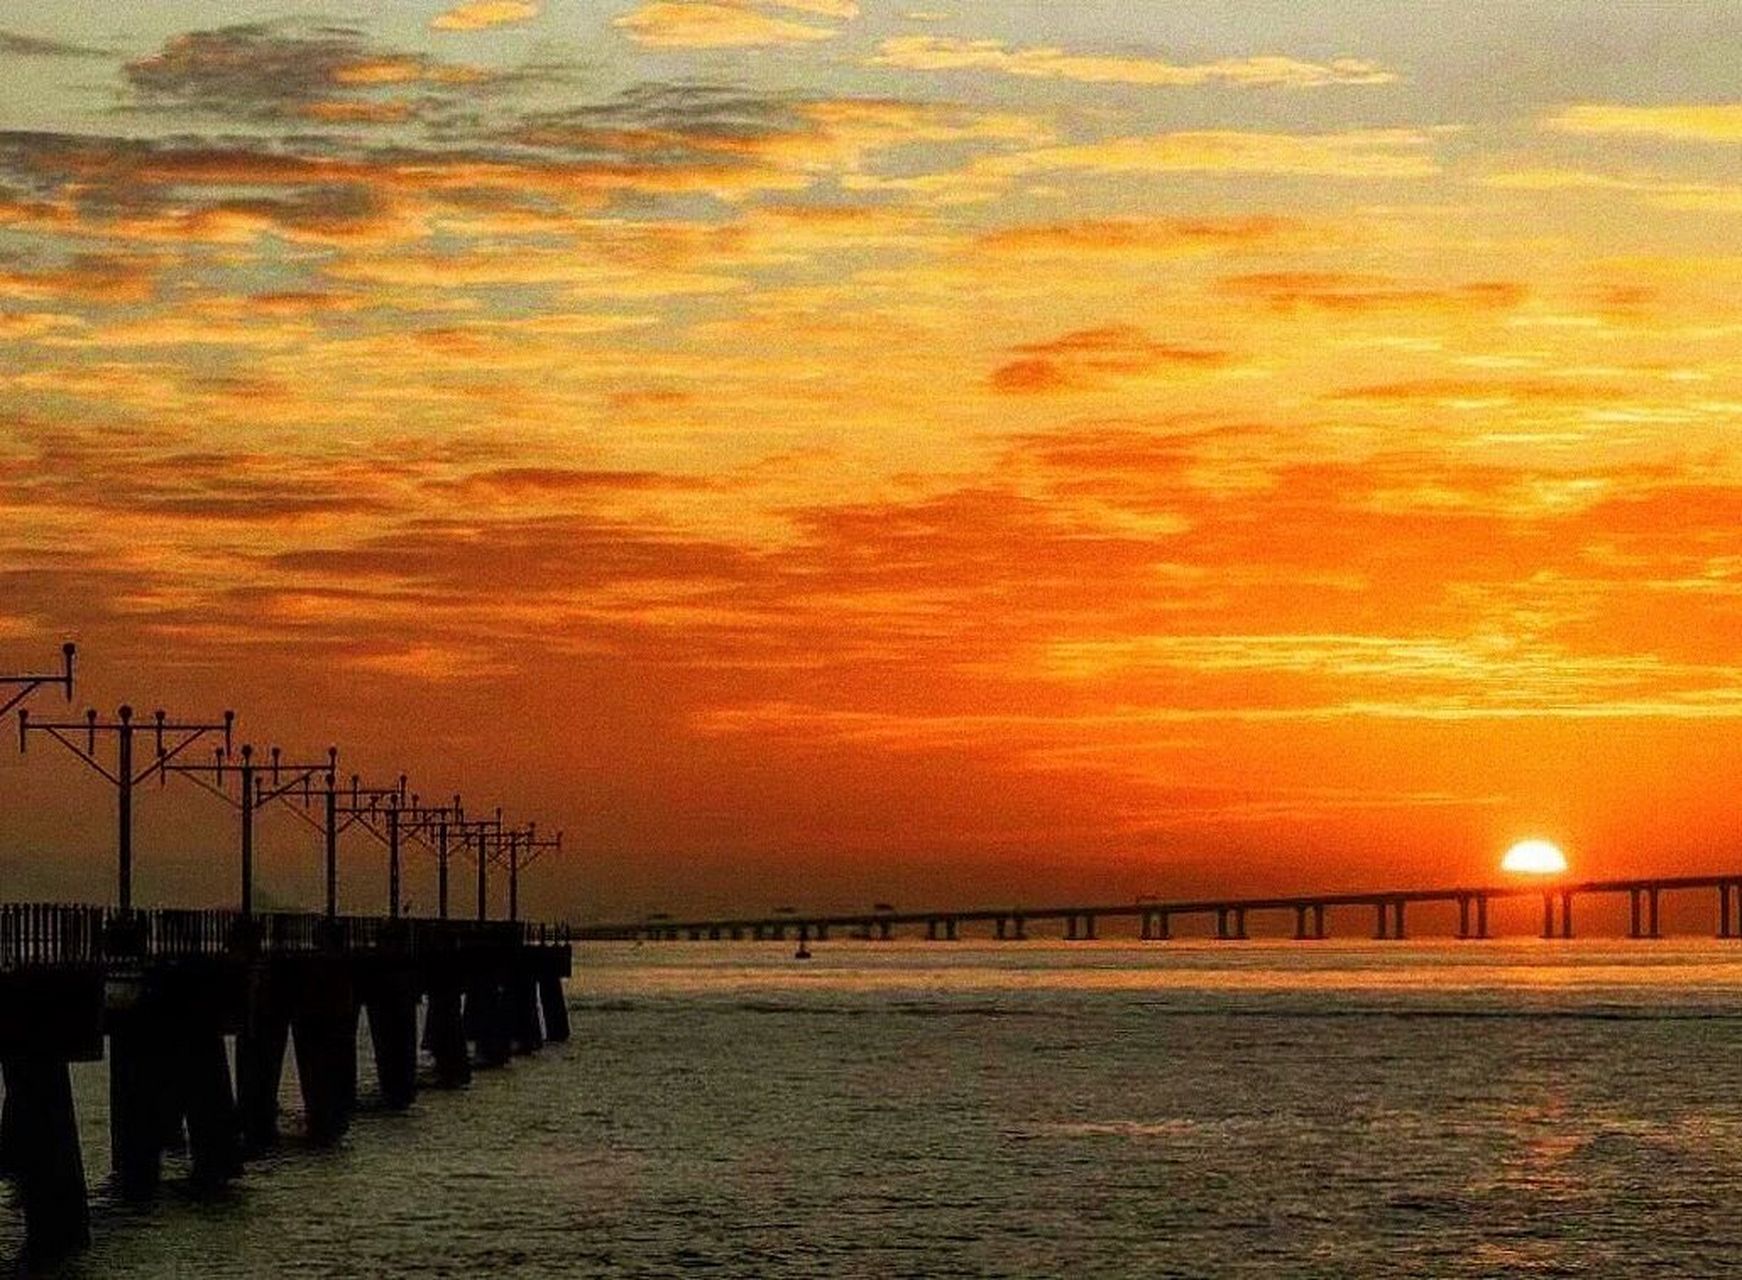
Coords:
pixel 1534 857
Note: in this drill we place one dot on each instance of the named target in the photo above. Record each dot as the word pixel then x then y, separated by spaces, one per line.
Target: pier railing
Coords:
pixel 41 935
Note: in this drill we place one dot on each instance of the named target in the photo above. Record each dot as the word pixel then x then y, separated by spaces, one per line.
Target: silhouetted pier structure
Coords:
pixel 1309 915
pixel 157 992
pixel 162 990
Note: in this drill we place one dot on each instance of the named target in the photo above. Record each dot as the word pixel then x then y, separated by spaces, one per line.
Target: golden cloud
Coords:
pixel 1685 122
pixel 945 53
pixel 477 15
pixel 707 24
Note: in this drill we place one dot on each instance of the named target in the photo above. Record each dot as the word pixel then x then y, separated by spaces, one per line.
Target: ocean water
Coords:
pixel 1182 1109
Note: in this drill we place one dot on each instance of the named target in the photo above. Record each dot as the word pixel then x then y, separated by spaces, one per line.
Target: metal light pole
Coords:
pixel 26 685
pixel 171 737
pixel 532 847
pixel 364 805
pixel 258 787
pixel 417 820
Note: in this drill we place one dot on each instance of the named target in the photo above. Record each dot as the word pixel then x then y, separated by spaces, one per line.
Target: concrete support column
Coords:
pixel 1651 912
pixel 260 1047
pixel 1634 929
pixel 1221 924
pixel 1724 910
pixel 1463 915
pixel 1482 915
pixel 883 930
pixel 931 930
pixel 527 1027
pixel 1399 932
pixel 1070 928
pixel 950 929
pixel 1146 925
pixel 1163 926
pixel 214 1128
pixel 1240 923
pixel 1300 924
pixel 486 1021
pixel 323 1035
pixel 1548 915
pixel 556 1008
pixel 393 1036
pixel 1089 928
pixel 49 1168
pixel 445 1031
pixel 1381 929
pixel 139 1084
pixel 1319 921
pixel 1019 928
pixel 1000 924
pixel 1566 913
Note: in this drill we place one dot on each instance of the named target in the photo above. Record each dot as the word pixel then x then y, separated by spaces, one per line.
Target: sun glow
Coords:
pixel 1534 857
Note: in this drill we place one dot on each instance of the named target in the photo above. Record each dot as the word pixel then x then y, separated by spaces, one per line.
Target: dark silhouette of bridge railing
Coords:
pixel 1156 919
pixel 47 935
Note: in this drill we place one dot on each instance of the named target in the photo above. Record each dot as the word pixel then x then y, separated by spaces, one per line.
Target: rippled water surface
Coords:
pixel 1187 1109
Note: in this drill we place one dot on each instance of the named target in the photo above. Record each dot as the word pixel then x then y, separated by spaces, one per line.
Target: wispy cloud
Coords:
pixel 478 15
pixel 1682 122
pixel 946 53
pixel 727 24
pixel 19 45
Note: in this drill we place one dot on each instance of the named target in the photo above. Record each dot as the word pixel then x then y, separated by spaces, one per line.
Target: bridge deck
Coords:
pixel 1473 893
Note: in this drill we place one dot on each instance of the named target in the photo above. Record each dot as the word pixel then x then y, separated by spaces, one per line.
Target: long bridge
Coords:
pixel 1309 914
pixel 160 993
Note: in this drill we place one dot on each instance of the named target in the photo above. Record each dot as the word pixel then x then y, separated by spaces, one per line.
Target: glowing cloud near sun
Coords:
pixel 1534 857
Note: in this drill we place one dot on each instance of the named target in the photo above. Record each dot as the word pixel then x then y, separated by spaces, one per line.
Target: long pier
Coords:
pixel 1308 913
pixel 159 992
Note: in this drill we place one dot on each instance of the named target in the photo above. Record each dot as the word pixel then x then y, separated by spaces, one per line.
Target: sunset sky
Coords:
pixel 823 450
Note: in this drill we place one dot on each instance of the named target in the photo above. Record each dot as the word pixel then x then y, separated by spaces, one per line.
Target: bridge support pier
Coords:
pixel 8 1133
pixel 1240 923
pixel 1221 924
pixel 140 1111
pixel 1566 914
pixel 392 1009
pixel 446 1034
pixel 214 1128
pixel 950 929
pixel 1463 916
pixel 556 1009
pixel 528 1031
pixel 931 930
pixel 999 924
pixel 48 1166
pixel 323 1035
pixel 486 1021
pixel 1070 928
pixel 1482 916
pixel 1651 912
pixel 1724 910
pixel 1319 921
pixel 1019 928
pixel 260 1046
pixel 1381 924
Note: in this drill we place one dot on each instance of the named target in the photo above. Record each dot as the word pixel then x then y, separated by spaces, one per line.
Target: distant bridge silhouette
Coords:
pixel 1309 914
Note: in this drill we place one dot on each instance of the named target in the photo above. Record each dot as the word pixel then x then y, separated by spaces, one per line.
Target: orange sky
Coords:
pixel 819 451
